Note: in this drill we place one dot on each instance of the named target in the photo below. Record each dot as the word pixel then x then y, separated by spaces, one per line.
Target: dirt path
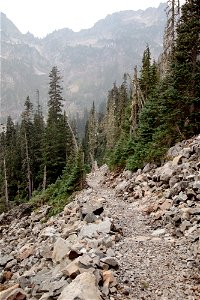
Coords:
pixel 153 265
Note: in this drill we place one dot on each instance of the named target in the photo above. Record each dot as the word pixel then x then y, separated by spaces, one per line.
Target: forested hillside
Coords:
pixel 45 160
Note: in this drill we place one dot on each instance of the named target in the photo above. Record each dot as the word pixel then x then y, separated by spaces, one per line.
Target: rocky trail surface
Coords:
pixel 127 236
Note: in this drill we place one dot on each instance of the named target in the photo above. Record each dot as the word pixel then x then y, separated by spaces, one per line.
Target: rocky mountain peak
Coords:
pixel 90 60
pixel 8 29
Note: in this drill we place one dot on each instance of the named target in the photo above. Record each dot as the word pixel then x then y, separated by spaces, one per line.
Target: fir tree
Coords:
pixel 55 137
pixel 186 68
pixel 38 142
pixel 92 134
pixel 27 145
pixel 145 77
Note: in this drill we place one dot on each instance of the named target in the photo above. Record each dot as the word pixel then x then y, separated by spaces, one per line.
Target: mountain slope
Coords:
pixel 90 60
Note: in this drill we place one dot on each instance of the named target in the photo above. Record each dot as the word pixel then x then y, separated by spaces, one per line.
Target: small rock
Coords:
pixel 72 269
pixel 184 225
pixel 111 261
pixel 5 259
pixel 90 218
pixel 159 231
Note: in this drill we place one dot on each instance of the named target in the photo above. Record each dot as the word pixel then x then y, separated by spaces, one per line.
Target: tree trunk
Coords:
pixel 45 178
pixel 73 137
pixel 6 184
pixel 137 101
pixel 28 169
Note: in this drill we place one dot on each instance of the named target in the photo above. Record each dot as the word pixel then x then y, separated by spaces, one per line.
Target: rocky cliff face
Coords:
pixel 90 60
pixel 126 236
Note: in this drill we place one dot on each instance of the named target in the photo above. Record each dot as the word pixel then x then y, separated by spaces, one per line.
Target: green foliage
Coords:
pixel 60 193
pixel 117 157
pixel 33 151
pixel 171 110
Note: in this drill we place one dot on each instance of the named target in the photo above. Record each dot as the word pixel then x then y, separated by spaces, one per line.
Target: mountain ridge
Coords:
pixel 90 60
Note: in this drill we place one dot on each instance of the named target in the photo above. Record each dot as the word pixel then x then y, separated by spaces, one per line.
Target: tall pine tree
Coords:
pixel 55 137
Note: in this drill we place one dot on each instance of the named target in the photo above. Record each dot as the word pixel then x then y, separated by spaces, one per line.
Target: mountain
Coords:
pixel 90 60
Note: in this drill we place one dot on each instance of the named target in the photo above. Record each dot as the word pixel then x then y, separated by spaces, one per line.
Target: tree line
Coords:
pixel 35 153
pixel 158 106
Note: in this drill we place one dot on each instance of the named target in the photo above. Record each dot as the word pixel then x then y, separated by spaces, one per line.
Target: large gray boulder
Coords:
pixel 90 230
pixel 165 172
pixel 94 206
pixel 62 247
pixel 82 287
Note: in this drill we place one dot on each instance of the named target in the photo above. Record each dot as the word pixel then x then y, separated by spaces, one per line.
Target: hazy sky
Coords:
pixel 44 16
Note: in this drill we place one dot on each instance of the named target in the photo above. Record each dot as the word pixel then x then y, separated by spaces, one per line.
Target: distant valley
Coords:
pixel 89 60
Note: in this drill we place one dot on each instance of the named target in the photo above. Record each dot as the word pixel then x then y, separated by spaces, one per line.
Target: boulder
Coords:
pixel 70 229
pixel 13 293
pixel 26 251
pixel 108 281
pixel 45 250
pixel 196 185
pixel 165 172
pixel 5 259
pixel 62 248
pixel 111 261
pixel 90 218
pixel 48 232
pixel 90 230
pixel 159 231
pixel 166 205
pixel 82 287
pixel 177 160
pixel 95 206
pixel 121 186
pixel 72 270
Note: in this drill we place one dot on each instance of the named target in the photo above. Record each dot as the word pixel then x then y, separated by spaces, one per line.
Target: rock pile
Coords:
pixel 69 256
pixel 169 195
pixel 128 236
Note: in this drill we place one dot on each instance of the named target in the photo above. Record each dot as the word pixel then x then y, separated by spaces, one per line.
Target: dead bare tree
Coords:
pixel 173 16
pixel 137 100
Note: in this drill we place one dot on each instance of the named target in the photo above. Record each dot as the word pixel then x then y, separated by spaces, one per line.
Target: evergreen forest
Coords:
pixel 44 159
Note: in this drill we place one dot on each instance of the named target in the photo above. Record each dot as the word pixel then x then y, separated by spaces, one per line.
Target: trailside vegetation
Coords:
pixel 41 162
pixel 160 105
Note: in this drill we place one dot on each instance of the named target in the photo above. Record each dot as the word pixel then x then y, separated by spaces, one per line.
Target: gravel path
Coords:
pixel 152 265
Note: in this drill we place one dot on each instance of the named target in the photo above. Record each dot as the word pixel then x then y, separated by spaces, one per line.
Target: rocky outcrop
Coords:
pixel 169 195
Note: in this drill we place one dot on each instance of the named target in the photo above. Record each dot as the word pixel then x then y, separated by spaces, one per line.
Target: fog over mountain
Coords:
pixel 89 60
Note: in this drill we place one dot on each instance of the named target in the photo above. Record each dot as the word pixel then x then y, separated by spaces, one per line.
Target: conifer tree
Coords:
pixel 121 106
pixel 110 122
pixel 38 142
pixel 27 144
pixel 137 102
pixel 13 158
pixel 92 134
pixel 145 77
pixel 55 138
pixel 4 199
pixel 186 68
